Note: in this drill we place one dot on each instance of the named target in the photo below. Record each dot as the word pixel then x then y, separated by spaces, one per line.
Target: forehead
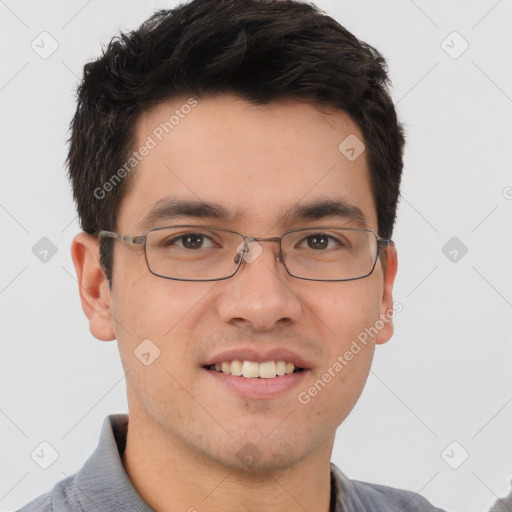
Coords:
pixel 255 162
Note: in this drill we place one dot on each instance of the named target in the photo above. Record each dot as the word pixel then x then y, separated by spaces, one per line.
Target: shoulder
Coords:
pixel 503 504
pixel 41 504
pixel 394 499
pixel 357 496
pixel 62 498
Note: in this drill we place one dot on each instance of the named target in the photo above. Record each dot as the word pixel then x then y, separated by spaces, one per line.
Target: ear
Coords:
pixel 387 311
pixel 93 286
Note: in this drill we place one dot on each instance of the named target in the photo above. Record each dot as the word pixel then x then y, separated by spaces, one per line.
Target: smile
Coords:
pixel 253 369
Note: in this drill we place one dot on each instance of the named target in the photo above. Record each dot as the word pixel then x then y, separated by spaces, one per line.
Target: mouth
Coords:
pixel 255 380
pixel 257 373
pixel 254 369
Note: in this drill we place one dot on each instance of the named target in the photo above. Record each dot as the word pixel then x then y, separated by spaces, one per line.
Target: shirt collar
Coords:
pixel 103 484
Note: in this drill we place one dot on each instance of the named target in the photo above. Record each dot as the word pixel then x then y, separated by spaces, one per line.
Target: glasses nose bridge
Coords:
pixel 260 239
pixel 277 239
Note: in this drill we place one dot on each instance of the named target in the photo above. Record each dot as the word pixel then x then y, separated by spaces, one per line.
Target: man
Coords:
pixel 236 167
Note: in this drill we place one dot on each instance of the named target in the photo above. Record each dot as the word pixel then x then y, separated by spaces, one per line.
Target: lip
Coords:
pixel 259 356
pixel 257 388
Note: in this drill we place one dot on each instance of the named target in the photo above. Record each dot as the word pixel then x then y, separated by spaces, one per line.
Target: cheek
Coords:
pixel 154 322
pixel 159 317
pixel 346 309
pixel 335 389
pixel 345 313
pixel 153 307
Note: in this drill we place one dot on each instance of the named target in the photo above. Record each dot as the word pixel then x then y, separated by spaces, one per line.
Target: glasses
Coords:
pixel 206 253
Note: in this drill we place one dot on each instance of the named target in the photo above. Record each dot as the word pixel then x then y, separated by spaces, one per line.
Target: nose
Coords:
pixel 260 295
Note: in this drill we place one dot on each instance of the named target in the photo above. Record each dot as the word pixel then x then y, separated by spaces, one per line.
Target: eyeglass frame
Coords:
pixel 141 240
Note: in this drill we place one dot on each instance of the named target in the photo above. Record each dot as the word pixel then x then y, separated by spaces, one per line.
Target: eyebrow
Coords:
pixel 323 208
pixel 169 209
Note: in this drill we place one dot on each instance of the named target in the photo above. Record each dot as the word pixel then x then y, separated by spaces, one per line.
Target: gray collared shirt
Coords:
pixel 102 485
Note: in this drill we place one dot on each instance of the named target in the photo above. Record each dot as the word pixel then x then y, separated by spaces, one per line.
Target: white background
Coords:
pixel 444 377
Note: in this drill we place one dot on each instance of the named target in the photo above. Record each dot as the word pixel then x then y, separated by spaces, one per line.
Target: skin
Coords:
pixel 184 432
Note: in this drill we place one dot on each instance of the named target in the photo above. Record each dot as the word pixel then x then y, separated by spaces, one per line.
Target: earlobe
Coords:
pixel 93 286
pixel 387 311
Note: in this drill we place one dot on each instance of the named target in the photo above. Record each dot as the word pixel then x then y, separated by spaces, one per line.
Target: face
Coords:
pixel 256 162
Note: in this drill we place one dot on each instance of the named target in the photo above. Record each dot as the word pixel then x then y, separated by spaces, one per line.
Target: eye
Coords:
pixel 320 241
pixel 190 241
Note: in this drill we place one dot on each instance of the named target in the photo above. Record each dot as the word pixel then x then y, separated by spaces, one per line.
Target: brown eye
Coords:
pixel 322 241
pixel 191 241
pixel 318 241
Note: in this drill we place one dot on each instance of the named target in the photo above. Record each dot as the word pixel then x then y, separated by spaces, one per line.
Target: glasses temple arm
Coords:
pixel 140 240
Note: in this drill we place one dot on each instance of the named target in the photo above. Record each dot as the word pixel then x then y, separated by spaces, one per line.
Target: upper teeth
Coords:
pixel 265 370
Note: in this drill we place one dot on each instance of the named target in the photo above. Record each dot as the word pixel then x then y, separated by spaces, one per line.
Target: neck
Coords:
pixel 169 475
